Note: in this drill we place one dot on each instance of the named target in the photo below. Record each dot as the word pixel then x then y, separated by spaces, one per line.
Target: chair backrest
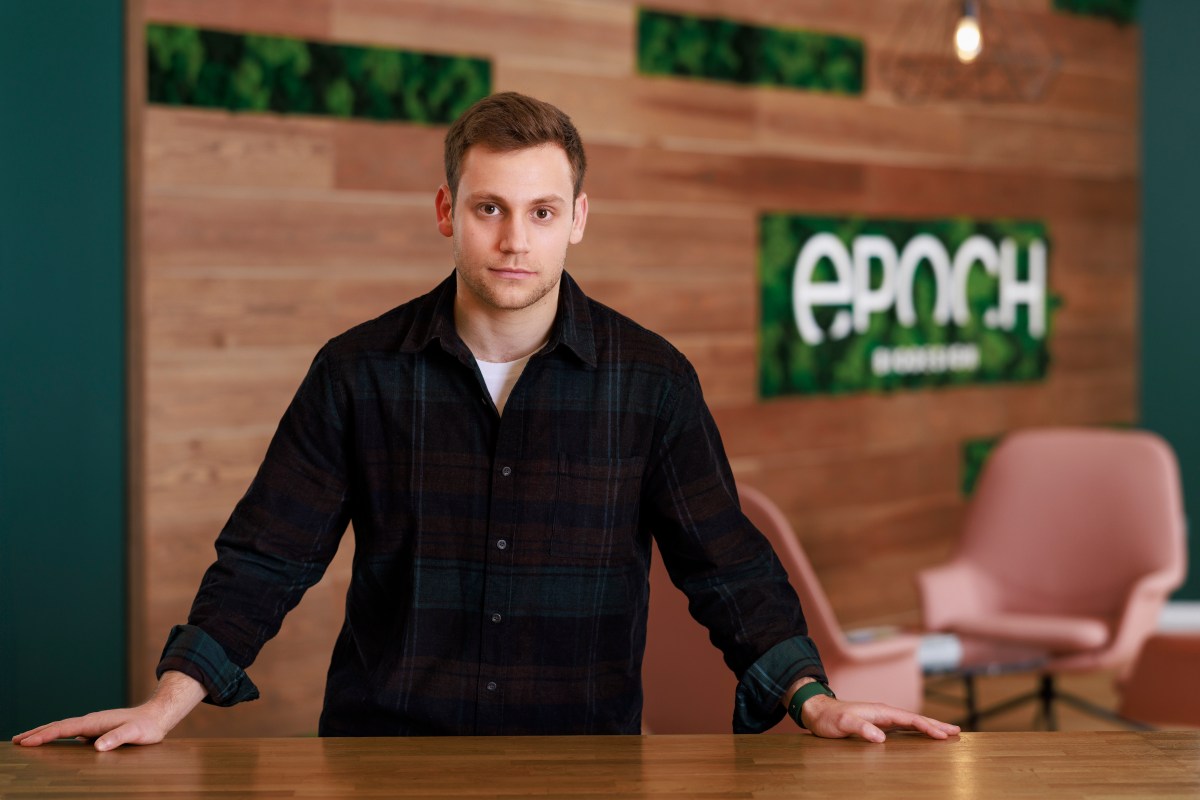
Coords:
pixel 687 688
pixel 1066 520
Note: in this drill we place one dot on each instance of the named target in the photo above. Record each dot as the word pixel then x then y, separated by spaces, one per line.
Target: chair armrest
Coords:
pixel 1139 615
pixel 897 647
pixel 884 671
pixel 948 592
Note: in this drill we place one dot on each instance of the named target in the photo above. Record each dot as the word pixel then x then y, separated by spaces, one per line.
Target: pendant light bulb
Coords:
pixel 968 38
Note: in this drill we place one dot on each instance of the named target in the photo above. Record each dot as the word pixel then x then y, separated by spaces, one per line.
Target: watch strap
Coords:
pixel 802 695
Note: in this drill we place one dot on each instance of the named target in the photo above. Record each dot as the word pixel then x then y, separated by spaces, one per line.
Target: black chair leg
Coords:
pixel 1046 695
pixel 972 703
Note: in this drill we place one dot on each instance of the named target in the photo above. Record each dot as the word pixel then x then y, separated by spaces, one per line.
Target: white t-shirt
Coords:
pixel 501 378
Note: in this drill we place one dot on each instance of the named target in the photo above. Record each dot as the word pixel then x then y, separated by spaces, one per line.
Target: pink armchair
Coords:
pixel 688 688
pixel 1072 543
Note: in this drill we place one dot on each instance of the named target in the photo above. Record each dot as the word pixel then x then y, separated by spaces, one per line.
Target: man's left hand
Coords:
pixel 837 719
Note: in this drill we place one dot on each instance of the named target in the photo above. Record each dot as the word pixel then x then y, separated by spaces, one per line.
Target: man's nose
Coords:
pixel 515 238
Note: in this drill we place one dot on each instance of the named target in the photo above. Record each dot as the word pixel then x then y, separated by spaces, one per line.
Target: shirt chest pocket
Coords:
pixel 596 503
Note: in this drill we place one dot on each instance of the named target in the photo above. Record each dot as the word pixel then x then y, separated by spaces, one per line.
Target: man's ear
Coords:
pixel 579 221
pixel 444 206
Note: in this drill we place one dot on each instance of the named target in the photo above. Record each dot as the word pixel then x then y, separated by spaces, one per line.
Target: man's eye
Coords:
pixel 543 213
pixel 489 209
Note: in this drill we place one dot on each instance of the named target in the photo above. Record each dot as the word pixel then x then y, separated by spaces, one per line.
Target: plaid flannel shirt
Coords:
pixel 499 581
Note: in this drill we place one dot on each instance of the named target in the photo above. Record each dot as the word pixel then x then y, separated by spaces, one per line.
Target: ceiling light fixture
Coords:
pixel 968 38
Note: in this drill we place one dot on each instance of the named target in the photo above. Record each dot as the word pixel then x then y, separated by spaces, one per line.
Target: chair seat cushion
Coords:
pixel 1055 634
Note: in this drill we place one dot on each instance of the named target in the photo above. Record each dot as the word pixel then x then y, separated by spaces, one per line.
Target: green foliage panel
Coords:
pixel 926 353
pixel 190 66
pixel 1122 11
pixel 975 453
pixel 687 45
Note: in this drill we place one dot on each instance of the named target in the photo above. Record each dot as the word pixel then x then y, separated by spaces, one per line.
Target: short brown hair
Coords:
pixel 512 121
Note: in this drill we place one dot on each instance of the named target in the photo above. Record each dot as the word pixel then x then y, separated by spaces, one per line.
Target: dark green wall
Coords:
pixel 62 374
pixel 1170 248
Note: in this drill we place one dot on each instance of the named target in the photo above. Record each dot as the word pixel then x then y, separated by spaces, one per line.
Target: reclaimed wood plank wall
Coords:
pixel 257 237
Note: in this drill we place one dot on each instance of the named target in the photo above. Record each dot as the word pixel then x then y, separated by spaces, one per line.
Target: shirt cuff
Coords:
pixel 756 705
pixel 196 654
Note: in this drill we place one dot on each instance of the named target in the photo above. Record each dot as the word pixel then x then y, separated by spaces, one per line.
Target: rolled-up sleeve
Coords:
pixel 196 654
pixel 757 704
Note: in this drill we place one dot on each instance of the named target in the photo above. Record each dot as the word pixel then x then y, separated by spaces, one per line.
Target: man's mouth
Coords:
pixel 512 273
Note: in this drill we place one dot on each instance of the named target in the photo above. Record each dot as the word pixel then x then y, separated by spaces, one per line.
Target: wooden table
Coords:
pixel 974 765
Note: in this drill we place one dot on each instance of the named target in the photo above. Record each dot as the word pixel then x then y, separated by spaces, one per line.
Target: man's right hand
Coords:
pixel 177 694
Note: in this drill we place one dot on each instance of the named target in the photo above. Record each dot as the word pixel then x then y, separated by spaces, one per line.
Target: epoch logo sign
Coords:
pixel 850 304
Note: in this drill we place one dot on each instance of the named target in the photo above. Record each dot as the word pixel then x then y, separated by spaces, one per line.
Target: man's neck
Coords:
pixel 502 335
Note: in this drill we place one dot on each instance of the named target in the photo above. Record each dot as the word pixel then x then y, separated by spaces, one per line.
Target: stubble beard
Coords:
pixel 530 291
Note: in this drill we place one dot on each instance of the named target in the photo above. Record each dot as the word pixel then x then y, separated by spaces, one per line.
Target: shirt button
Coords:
pixel 506 471
pixel 491 687
pixel 496 617
pixel 502 544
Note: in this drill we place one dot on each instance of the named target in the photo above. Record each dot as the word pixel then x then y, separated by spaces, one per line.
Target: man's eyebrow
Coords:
pixel 489 197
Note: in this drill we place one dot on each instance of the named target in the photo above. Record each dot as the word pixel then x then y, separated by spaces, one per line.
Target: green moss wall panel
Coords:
pixel 1122 11
pixel 192 66
pixel 720 49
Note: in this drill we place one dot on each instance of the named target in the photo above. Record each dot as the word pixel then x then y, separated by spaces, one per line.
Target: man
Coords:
pixel 505 448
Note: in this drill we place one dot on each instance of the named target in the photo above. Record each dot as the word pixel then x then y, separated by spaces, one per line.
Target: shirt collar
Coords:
pixel 435 321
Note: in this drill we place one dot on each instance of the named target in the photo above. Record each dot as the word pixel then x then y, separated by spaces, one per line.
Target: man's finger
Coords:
pixel 85 726
pixel 871 733
pixel 926 725
pixel 939 727
pixel 17 739
pixel 115 738
pixel 42 733
pixel 34 739
pixel 936 728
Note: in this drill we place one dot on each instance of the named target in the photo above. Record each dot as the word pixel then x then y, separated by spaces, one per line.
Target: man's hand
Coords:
pixel 831 718
pixel 176 695
pixel 837 719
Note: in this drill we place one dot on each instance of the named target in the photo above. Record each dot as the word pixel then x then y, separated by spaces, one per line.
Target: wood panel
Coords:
pixel 259 236
pixel 138 543
pixel 303 18
pixel 584 38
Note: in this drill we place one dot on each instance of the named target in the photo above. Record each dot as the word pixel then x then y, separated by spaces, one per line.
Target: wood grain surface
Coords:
pixel 1065 766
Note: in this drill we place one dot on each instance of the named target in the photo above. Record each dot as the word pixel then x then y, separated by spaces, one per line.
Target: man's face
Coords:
pixel 511 223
